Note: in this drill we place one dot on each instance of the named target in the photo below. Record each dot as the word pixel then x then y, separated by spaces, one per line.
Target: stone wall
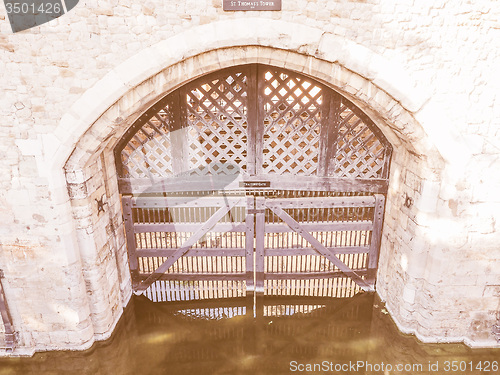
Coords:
pixel 426 73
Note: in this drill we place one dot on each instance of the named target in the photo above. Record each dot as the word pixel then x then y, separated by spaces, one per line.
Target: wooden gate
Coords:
pixel 190 247
pixel 253 178
pixel 183 248
pixel 321 246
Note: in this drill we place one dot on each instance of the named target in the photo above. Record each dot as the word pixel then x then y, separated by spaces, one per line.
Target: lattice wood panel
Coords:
pixel 292 123
pixel 148 154
pixel 256 120
pixel 217 121
pixel 359 151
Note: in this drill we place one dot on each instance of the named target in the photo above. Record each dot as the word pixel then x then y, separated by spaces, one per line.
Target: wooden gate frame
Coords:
pixel 255 227
pixel 278 207
pixel 257 116
pixel 173 255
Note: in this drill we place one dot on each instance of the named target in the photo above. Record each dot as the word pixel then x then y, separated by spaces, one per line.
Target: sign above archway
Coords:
pixel 235 5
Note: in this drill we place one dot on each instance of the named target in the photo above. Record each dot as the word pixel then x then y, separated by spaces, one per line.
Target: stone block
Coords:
pixel 42 339
pixel 296 62
pixel 332 48
pixel 29 147
pixel 492 291
pixel 86 245
pixel 427 202
pixel 20 196
pixel 409 293
pixel 139 67
pixel 81 337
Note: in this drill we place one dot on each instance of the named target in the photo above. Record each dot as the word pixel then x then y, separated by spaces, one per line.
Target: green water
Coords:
pixel 275 336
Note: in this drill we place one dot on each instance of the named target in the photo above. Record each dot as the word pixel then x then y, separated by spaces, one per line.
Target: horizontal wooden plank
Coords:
pixel 206 251
pixel 187 227
pixel 240 227
pixel 199 276
pixel 176 184
pixel 185 202
pixel 307 275
pixel 238 252
pixel 322 202
pixel 322 227
pixel 311 251
pixel 277 182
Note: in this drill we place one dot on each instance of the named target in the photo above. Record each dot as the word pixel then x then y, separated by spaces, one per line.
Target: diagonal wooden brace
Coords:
pixel 206 227
pixel 322 250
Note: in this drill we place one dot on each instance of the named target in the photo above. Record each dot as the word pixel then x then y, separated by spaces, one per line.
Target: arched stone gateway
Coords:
pixel 374 89
pixel 406 66
pixel 253 175
pixel 91 173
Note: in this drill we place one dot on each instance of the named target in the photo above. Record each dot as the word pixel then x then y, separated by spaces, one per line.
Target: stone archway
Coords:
pixel 90 130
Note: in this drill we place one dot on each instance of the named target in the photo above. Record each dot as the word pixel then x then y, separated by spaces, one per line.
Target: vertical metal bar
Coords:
pixel 260 112
pixel 130 237
pixel 10 334
pixel 387 158
pixel 330 123
pixel 260 217
pixel 252 120
pixel 249 247
pixel 178 133
pixel 373 253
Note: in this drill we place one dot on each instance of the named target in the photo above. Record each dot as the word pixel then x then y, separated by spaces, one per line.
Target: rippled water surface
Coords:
pixel 273 336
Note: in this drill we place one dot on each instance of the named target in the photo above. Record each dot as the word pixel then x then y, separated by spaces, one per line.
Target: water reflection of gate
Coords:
pixel 154 338
pixel 206 247
pixel 284 329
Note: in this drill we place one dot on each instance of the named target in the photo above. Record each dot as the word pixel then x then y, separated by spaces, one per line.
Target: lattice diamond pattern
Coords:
pixel 214 117
pixel 217 120
pixel 148 153
pixel 292 124
pixel 359 152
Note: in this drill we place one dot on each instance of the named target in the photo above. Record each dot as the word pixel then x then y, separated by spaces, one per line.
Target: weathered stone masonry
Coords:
pixel 426 73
